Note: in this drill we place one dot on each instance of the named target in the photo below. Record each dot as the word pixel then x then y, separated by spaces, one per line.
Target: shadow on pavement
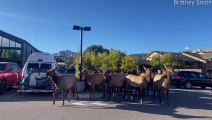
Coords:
pixel 179 99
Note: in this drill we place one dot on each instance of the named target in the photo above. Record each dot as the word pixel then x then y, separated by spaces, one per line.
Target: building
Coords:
pixel 14 49
pixel 193 60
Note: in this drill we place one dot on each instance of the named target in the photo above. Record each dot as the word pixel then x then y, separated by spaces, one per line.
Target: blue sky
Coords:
pixel 132 26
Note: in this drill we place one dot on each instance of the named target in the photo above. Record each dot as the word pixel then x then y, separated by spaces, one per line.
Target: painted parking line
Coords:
pixel 89 103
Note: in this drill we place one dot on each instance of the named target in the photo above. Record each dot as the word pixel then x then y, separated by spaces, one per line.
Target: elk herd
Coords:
pixel 116 83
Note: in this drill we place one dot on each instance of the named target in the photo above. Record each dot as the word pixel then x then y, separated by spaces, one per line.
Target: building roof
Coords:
pixel 184 56
pixel 200 51
pixel 14 38
pixel 207 56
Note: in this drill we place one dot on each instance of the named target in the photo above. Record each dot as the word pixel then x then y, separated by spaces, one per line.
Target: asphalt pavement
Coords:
pixel 184 104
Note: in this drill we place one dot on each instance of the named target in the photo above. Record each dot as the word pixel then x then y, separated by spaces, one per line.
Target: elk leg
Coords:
pixel 63 97
pixel 163 97
pixel 131 95
pixel 125 94
pixel 148 89
pixel 54 97
pixel 159 95
pixel 154 90
pixel 75 86
pixel 142 96
pixel 113 90
pixel 69 95
pixel 167 97
pixel 104 90
pixel 109 92
pixel 94 93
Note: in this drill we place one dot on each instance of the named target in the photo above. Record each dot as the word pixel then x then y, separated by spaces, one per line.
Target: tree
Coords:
pixel 115 60
pixel 104 61
pixel 129 63
pixel 156 62
pixel 96 49
pixel 167 59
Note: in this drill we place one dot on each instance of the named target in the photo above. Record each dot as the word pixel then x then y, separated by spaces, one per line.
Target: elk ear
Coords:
pixel 165 66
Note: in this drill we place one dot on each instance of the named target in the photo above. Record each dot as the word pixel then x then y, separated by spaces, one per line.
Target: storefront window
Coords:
pixel 14 55
pixel 5 42
pixel 12 43
pixel 0 40
pixel 18 45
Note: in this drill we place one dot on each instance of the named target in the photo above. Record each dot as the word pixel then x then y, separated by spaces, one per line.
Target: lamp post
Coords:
pixel 81 28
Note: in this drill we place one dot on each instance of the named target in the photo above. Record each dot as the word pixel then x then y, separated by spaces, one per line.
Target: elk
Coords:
pixel 94 80
pixel 62 82
pixel 162 84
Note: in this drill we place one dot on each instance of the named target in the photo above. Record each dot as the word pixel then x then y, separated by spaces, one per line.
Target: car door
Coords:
pixel 201 80
pixel 16 73
pixel 11 76
pixel 206 80
pixel 194 78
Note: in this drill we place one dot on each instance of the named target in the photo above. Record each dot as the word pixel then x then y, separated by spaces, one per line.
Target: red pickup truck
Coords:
pixel 10 75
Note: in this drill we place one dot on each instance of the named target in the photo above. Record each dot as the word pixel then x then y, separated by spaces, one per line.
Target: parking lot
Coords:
pixel 185 104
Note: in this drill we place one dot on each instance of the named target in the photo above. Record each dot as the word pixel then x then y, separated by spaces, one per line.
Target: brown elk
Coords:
pixel 162 84
pixel 94 80
pixel 62 82
pixel 138 82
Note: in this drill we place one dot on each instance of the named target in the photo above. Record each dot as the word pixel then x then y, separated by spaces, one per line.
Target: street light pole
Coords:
pixel 76 27
pixel 81 32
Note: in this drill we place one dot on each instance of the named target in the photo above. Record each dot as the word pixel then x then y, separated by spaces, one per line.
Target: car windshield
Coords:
pixel 2 67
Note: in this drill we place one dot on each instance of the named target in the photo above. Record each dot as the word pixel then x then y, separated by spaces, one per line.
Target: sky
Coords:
pixel 131 26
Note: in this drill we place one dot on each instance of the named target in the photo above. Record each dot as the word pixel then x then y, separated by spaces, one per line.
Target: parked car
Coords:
pixel 10 75
pixel 189 79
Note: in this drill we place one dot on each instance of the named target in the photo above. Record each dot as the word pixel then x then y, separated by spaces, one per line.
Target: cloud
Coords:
pixel 186 48
pixel 28 18
pixel 6 14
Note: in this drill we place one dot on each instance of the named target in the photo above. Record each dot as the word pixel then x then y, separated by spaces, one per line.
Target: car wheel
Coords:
pixel 188 85
pixel 203 87
pixel 3 87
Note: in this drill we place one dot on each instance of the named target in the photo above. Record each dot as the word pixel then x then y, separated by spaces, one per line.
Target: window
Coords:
pixel 10 67
pixel 11 54
pixel 6 53
pixel 12 43
pixel 201 75
pixel 184 74
pixel 2 67
pixel 33 67
pixel 5 42
pixel 45 67
pixel 18 45
pixel 193 75
pixel 1 40
pixel 15 68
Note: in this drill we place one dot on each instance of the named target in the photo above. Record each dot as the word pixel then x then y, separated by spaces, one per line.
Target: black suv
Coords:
pixel 189 79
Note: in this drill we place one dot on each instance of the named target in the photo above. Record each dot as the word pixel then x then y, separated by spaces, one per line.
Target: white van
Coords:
pixel 38 64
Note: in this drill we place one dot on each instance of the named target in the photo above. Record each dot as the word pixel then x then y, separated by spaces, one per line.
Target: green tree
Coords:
pixel 104 61
pixel 167 59
pixel 129 63
pixel 156 61
pixel 115 60
pixel 96 49
pixel 76 65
